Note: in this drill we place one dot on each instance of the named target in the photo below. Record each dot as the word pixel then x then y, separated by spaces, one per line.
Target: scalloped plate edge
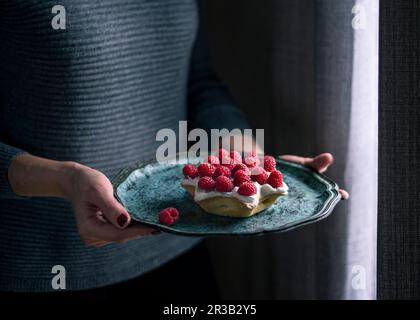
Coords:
pixel 333 199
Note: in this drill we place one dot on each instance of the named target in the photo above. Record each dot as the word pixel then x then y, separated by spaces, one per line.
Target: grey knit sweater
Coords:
pixel 96 92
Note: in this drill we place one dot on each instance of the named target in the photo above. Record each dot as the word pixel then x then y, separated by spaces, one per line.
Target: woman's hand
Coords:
pixel 320 163
pixel 100 218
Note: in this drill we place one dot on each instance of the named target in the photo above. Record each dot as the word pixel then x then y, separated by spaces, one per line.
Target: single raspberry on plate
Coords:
pixel 224 184
pixel 221 171
pixel 240 167
pixel 169 216
pixel 190 171
pixel 223 153
pixel 206 183
pixel 206 169
pixel 228 162
pixel 213 160
pixel 241 177
pixel 251 161
pixel 247 189
pixel 236 156
pixel 269 163
pixel 275 179
pixel 259 175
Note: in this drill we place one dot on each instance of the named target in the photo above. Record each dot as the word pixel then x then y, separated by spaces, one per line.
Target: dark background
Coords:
pixel 399 151
pixel 256 53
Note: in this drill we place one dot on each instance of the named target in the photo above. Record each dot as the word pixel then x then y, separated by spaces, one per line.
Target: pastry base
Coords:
pixel 232 207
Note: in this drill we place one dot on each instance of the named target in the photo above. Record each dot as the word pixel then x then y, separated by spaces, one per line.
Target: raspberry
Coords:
pixel 223 153
pixel 256 171
pixel 251 161
pixel 241 173
pixel 221 171
pixel 241 177
pixel 236 156
pixel 259 175
pixel 269 163
pixel 224 184
pixel 169 216
pixel 190 171
pixel 206 183
pixel 240 167
pixel 228 162
pixel 213 160
pixel 247 189
pixel 275 179
pixel 206 170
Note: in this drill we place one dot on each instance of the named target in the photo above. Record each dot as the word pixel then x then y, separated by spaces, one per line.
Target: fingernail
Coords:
pixel 122 220
pixel 156 232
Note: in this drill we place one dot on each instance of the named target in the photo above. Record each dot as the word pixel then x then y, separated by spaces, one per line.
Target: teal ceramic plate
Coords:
pixel 146 189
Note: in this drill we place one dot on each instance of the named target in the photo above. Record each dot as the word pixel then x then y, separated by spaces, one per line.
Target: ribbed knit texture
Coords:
pixel 95 93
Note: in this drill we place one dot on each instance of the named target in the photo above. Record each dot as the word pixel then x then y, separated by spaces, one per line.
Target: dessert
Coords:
pixel 228 185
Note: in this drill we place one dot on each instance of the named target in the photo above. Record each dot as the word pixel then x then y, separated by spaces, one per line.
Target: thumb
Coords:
pixel 114 211
pixel 321 162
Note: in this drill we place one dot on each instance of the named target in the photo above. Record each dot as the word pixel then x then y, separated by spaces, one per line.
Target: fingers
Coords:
pixel 107 232
pixel 113 211
pixel 320 163
pixel 122 238
pixel 96 243
pixel 344 194
pixel 98 233
pixel 296 159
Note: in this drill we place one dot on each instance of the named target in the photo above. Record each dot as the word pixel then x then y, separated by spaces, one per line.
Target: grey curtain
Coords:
pixel 307 72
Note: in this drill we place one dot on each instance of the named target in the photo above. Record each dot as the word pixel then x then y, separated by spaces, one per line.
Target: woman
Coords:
pixel 77 105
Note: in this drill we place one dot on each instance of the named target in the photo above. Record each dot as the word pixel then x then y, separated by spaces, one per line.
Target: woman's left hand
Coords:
pixel 320 163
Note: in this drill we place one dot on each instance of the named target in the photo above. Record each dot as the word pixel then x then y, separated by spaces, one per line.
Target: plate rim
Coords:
pixel 333 199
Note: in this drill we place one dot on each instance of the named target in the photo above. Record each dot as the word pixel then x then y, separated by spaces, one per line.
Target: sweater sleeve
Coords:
pixel 7 154
pixel 209 103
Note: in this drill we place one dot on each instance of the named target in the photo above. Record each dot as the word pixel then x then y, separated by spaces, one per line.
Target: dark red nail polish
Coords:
pixel 122 220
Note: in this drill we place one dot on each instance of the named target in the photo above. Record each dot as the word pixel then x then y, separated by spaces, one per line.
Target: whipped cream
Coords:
pixel 250 201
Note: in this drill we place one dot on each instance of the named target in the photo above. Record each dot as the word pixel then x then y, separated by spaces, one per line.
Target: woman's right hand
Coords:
pixel 100 218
